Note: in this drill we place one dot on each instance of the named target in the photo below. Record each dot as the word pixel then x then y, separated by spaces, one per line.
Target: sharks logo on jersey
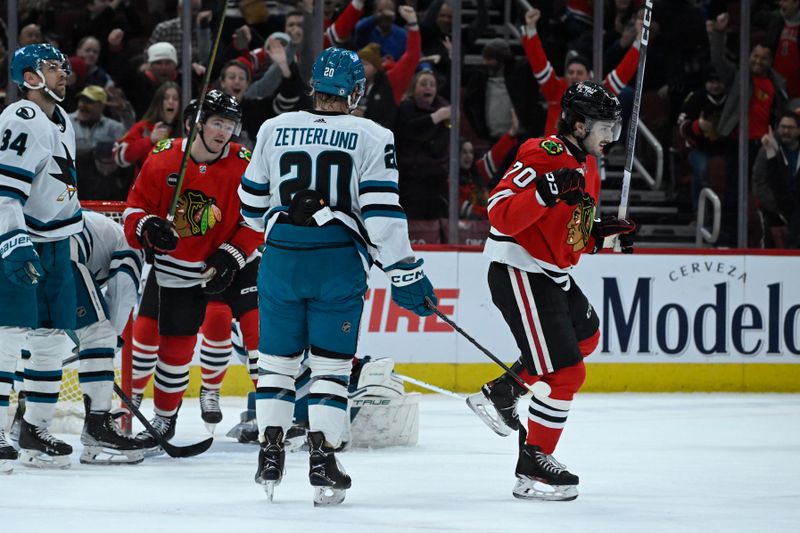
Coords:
pixel 66 174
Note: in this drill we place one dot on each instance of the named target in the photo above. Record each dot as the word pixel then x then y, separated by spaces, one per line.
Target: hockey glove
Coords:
pixel 156 235
pixel 609 226
pixel 221 268
pixel 564 184
pixel 410 287
pixel 20 261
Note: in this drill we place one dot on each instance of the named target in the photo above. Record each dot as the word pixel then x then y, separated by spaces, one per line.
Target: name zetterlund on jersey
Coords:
pixel 306 136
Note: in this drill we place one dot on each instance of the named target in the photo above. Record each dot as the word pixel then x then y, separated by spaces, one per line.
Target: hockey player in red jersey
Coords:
pixel 543 218
pixel 201 253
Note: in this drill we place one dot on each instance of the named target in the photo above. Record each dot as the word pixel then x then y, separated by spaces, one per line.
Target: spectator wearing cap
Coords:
pixel 385 87
pixel 95 135
pixel 776 181
pixel 162 66
pixel 698 125
pixel 380 28
pixel 501 85
pixel 577 69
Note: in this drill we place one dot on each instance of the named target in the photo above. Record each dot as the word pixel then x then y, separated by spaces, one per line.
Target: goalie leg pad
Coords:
pixel 376 377
pixel 381 422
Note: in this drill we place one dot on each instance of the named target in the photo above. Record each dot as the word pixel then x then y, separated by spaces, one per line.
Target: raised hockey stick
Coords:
pixel 475 343
pixel 633 126
pixel 429 386
pixel 173 204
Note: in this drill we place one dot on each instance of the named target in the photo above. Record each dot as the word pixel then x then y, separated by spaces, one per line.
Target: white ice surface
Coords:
pixel 695 463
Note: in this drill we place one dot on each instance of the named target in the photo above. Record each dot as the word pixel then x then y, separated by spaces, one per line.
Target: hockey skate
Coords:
pixel 246 431
pixel 325 472
pixel 296 438
pixel 13 432
pixel 209 408
pixel 104 444
pixel 271 458
pixel 541 477
pixel 7 454
pixel 40 449
pixel 165 427
pixel 496 404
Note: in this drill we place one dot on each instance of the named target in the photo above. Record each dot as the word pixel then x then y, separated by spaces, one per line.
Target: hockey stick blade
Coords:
pixel 171 449
pixel 434 388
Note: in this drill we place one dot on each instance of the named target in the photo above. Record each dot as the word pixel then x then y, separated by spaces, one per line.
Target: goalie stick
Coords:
pixel 172 450
pixel 633 126
pixel 429 386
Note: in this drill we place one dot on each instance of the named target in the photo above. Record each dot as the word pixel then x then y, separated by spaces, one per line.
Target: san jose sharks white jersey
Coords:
pixel 38 183
pixel 102 254
pixel 350 160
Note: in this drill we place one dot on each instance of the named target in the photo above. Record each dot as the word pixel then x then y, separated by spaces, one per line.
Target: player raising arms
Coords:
pixel 323 185
pixel 542 216
pixel 39 210
pixel 197 256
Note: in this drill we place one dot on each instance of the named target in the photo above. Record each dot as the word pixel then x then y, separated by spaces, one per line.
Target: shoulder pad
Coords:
pixel 162 145
pixel 244 153
pixel 551 146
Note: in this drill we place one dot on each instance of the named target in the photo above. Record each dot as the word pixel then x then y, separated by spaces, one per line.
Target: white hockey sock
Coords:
pixel 11 342
pixel 214 359
pixel 96 376
pixel 170 383
pixel 327 397
pixel 42 374
pixel 145 357
pixel 275 393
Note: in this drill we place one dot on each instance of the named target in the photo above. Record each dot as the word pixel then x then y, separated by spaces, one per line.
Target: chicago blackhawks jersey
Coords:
pixel 529 236
pixel 208 208
pixel 350 160
pixel 104 256
pixel 38 183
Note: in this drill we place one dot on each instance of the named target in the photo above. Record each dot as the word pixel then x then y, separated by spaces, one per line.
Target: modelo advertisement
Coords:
pixel 653 308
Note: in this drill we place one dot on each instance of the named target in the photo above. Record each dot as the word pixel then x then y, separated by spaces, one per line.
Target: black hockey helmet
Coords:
pixel 589 99
pixel 221 104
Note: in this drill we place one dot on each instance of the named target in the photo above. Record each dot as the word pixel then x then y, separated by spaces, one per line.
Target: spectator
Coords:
pixel 502 86
pixel 380 28
pixel 171 31
pixel 89 50
pixel 776 181
pixel 422 135
pixel 94 138
pixel 782 37
pixel 162 66
pixel 385 89
pixel 30 34
pixel 698 125
pixel 161 120
pixel 577 69
pixel 100 18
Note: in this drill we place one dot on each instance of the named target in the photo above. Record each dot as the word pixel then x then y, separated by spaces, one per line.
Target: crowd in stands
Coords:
pixel 124 93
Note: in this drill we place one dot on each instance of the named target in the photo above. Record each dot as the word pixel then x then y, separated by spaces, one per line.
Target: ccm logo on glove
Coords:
pixel 406 278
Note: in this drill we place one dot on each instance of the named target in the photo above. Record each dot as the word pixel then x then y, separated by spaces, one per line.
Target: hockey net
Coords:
pixel 69 409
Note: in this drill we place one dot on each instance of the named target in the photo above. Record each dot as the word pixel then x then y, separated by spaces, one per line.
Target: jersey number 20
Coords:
pixel 317 175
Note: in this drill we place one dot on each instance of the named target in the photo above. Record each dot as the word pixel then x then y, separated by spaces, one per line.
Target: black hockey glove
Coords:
pixel 156 235
pixel 221 268
pixel 610 226
pixel 564 184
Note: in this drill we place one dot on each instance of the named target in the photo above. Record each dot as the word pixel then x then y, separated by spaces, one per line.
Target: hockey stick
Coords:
pixel 633 126
pixel 171 449
pixel 428 386
pixel 429 303
pixel 173 204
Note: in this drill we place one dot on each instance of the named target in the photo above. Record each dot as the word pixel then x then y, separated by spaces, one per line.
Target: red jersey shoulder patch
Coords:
pixel 551 147
pixel 163 145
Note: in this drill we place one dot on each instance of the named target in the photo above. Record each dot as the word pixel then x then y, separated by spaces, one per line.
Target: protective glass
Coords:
pixel 607 130
pixel 52 65
pixel 224 125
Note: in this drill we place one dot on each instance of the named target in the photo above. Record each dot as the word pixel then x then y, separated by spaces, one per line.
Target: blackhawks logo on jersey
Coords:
pixel 579 227
pixel 551 147
pixel 244 153
pixel 196 214
pixel 163 144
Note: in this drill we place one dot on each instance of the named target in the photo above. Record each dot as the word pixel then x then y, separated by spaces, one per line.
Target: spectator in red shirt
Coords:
pixel 782 36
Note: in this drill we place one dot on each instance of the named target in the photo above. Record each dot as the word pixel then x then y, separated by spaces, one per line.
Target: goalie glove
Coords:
pixel 410 287
pixel 610 226
pixel 563 184
pixel 156 235
pixel 221 268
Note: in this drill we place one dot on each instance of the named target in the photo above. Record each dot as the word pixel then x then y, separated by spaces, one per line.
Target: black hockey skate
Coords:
pixel 246 431
pixel 7 454
pixel 165 427
pixel 541 477
pixel 325 472
pixel 40 449
pixel 296 437
pixel 104 444
pixel 209 408
pixel 496 404
pixel 271 458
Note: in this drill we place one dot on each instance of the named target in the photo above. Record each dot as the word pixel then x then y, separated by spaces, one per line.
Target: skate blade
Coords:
pixel 37 459
pixel 269 488
pixel 110 456
pixel 532 489
pixel 153 452
pixel 6 466
pixel 210 428
pixel 325 496
pixel 488 414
